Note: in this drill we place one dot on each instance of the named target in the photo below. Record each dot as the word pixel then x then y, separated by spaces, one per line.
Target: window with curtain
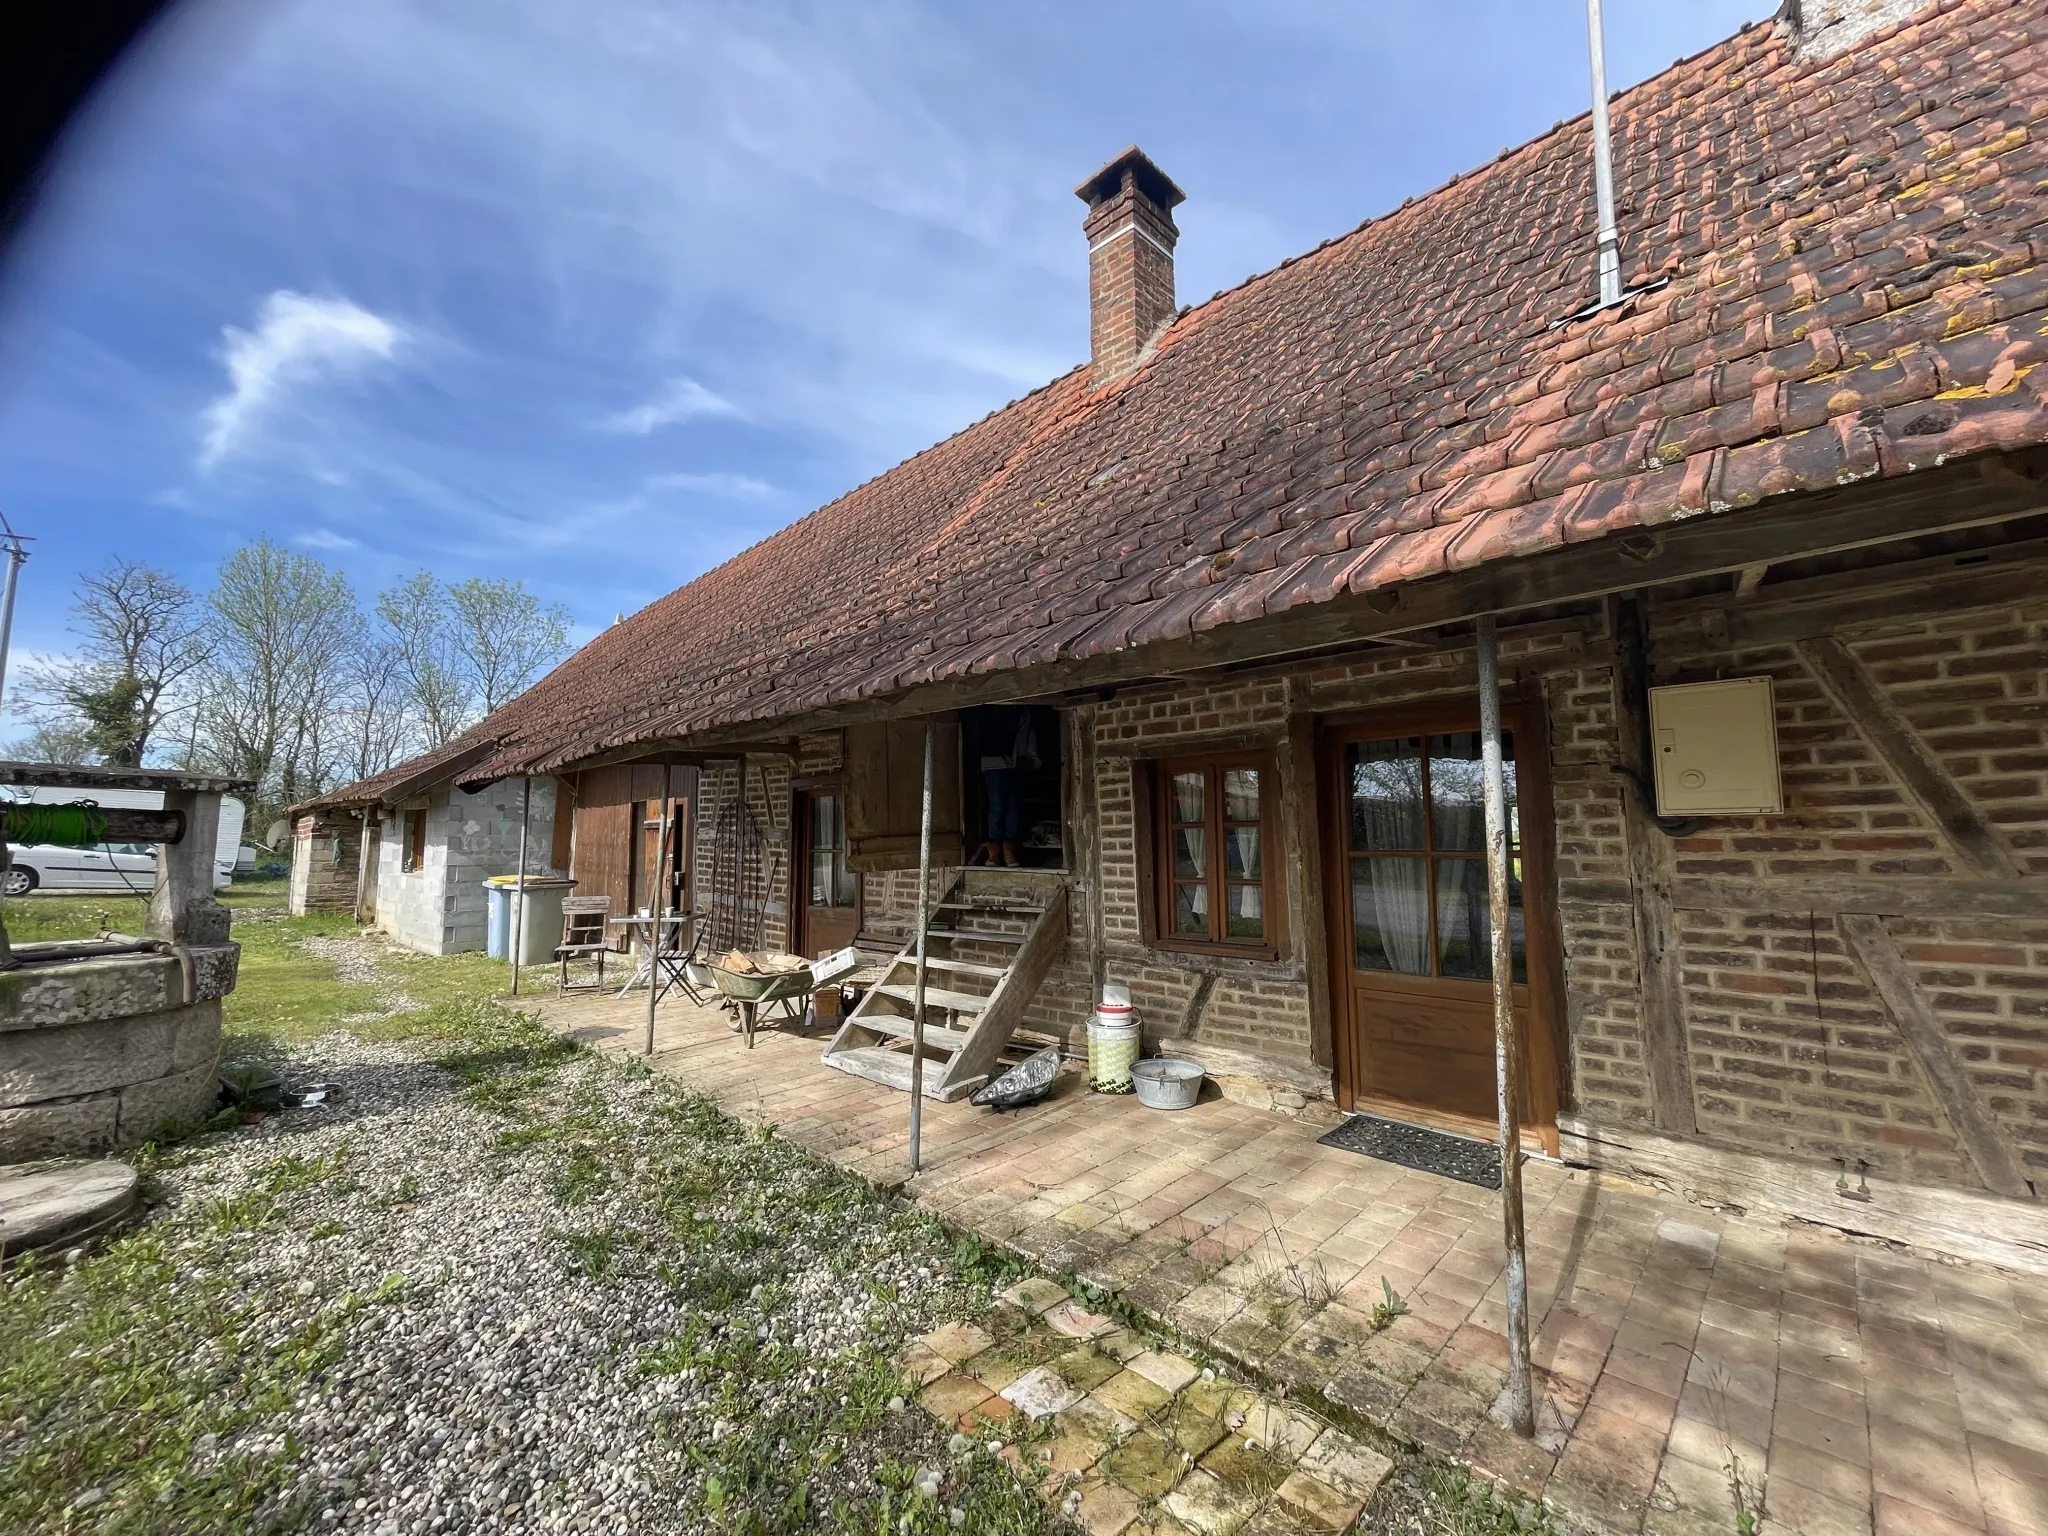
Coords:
pixel 832 883
pixel 1212 853
pixel 1417 842
pixel 414 856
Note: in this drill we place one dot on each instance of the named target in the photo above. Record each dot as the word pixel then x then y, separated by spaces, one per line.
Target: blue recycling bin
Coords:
pixel 498 916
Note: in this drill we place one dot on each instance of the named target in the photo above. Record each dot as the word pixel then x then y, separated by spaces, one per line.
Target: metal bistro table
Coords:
pixel 670 951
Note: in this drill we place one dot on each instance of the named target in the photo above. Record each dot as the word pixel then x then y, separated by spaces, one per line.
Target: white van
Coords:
pixel 124 867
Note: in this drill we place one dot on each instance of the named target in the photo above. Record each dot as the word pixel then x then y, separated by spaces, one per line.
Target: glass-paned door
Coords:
pixel 1416 943
pixel 830 913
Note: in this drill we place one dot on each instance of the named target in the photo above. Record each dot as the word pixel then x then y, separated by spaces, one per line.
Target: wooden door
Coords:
pixel 1411 932
pixel 828 908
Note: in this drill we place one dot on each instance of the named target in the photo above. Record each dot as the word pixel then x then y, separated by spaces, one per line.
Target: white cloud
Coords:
pixel 298 339
pixel 680 400
pixel 722 483
pixel 322 538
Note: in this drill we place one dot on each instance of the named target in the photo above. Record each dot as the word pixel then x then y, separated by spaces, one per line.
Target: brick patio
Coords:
pixel 1861 1391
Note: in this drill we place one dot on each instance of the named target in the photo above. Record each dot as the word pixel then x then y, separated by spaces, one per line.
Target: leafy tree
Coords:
pixel 420 631
pixel 140 640
pixel 505 637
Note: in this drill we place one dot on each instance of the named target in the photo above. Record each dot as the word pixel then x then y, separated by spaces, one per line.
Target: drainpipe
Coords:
pixel 362 860
pixel 1507 1051
pixel 1603 162
pixel 924 919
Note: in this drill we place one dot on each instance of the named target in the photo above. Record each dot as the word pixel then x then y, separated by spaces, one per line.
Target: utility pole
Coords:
pixel 16 555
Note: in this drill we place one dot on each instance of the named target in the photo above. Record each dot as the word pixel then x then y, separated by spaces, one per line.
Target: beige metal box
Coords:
pixel 1716 748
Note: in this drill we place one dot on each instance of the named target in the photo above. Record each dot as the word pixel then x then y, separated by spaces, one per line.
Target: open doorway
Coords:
pixel 1012 785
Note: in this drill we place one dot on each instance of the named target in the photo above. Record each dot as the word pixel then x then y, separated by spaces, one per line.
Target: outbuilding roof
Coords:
pixel 1850 259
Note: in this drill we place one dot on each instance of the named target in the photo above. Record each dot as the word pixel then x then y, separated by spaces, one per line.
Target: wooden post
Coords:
pixel 657 899
pixel 924 919
pixel 518 923
pixel 1507 1054
pixel 362 860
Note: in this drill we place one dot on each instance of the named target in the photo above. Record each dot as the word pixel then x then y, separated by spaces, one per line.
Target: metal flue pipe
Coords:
pixel 1520 1401
pixel 924 920
pixel 1609 240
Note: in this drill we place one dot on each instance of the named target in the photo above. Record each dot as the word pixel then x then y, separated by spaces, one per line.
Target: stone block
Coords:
pixel 65 1062
pixel 196 1040
pixel 147 1107
pixel 66 1128
pixel 80 991
pixel 214 970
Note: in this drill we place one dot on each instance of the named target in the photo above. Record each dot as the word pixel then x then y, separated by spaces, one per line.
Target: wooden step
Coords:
pixel 993 908
pixel 978 938
pixel 962 967
pixel 879 1064
pixel 936 1036
pixel 934 997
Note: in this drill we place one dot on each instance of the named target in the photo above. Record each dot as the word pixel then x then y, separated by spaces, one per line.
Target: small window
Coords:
pixel 1213 854
pixel 415 842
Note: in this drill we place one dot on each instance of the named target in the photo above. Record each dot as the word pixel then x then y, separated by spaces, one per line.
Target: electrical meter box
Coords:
pixel 1716 748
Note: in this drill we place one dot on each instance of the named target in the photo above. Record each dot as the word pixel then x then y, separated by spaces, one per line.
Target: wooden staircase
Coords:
pixel 993 936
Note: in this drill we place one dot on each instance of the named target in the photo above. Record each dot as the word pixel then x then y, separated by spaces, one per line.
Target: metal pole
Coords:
pixel 15 556
pixel 657 903
pixel 1609 243
pixel 1507 1055
pixel 924 918
pixel 362 861
pixel 518 923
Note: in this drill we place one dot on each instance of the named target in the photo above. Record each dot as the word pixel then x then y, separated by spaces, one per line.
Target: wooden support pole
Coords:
pixel 518 923
pixel 363 857
pixel 924 918
pixel 657 899
pixel 1507 1051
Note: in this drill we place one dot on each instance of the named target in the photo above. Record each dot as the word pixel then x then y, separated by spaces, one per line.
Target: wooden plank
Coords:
pixel 1978 844
pixel 1899 990
pixel 936 997
pixel 1832 895
pixel 1667 1054
pixel 1959 1223
pixel 1085 817
pixel 1006 1005
pixel 1300 824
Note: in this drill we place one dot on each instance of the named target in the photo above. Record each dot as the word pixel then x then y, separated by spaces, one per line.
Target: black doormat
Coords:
pixel 1416 1146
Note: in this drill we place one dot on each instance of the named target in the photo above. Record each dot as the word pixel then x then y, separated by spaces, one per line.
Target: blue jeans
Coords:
pixel 1005 803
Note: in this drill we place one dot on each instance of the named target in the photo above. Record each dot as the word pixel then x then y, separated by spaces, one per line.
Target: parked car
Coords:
pixel 111 866
pixel 126 867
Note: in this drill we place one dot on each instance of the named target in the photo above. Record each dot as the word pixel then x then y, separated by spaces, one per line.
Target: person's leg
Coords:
pixel 1013 813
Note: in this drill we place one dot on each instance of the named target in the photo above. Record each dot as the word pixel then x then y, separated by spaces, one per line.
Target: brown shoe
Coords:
pixel 1010 854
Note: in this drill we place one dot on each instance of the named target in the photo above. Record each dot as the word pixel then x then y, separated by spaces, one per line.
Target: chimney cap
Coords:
pixel 1149 179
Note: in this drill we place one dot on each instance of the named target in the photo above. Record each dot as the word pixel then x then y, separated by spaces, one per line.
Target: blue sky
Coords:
pixel 594 293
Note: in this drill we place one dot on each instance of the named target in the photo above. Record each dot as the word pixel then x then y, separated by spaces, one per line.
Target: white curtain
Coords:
pixel 1400 912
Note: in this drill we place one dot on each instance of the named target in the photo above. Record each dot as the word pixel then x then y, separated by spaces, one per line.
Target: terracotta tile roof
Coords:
pixel 1854 251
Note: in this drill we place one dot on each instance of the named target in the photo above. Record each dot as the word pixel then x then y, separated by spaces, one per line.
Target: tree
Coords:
pixel 505 637
pixel 280 625
pixel 420 630
pixel 140 641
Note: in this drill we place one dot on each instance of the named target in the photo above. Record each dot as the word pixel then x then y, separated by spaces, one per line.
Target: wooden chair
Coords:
pixel 583 935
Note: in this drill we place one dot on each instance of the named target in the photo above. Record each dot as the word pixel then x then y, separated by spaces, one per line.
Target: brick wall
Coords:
pixel 1790 1046
pixel 325 849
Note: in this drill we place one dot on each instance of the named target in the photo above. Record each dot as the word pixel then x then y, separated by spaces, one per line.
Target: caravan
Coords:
pixel 129 867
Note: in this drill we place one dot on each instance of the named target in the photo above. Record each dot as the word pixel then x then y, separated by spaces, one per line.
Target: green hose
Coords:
pixel 64 826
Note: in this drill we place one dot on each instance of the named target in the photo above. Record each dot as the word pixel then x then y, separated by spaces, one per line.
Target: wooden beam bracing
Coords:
pixel 1899 991
pixel 1977 843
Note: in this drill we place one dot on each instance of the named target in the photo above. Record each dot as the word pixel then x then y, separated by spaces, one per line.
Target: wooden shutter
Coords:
pixel 884 781
pixel 565 822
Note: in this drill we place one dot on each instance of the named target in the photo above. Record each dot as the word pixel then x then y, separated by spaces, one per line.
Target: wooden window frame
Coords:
pixel 413 847
pixel 1156 884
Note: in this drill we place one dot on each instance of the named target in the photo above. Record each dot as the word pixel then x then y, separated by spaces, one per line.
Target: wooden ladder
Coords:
pixel 985 954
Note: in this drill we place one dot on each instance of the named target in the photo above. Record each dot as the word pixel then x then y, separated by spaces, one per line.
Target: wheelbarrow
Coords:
pixel 750 991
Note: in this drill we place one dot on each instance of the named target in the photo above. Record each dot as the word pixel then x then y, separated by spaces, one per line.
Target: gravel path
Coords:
pixel 542 1353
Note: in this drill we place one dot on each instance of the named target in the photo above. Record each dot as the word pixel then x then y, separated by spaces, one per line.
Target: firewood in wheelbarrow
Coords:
pixel 1026 1083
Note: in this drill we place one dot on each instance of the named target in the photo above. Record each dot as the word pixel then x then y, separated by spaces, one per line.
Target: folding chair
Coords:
pixel 583 934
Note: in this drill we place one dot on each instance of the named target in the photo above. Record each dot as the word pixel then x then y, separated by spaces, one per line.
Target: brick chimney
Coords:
pixel 1821 29
pixel 1131 236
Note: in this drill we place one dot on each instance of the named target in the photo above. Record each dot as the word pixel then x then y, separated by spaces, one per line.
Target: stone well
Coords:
pixel 104 1042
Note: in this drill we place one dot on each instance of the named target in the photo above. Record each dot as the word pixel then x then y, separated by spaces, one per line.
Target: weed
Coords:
pixel 1389 1307
pixel 595 1253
